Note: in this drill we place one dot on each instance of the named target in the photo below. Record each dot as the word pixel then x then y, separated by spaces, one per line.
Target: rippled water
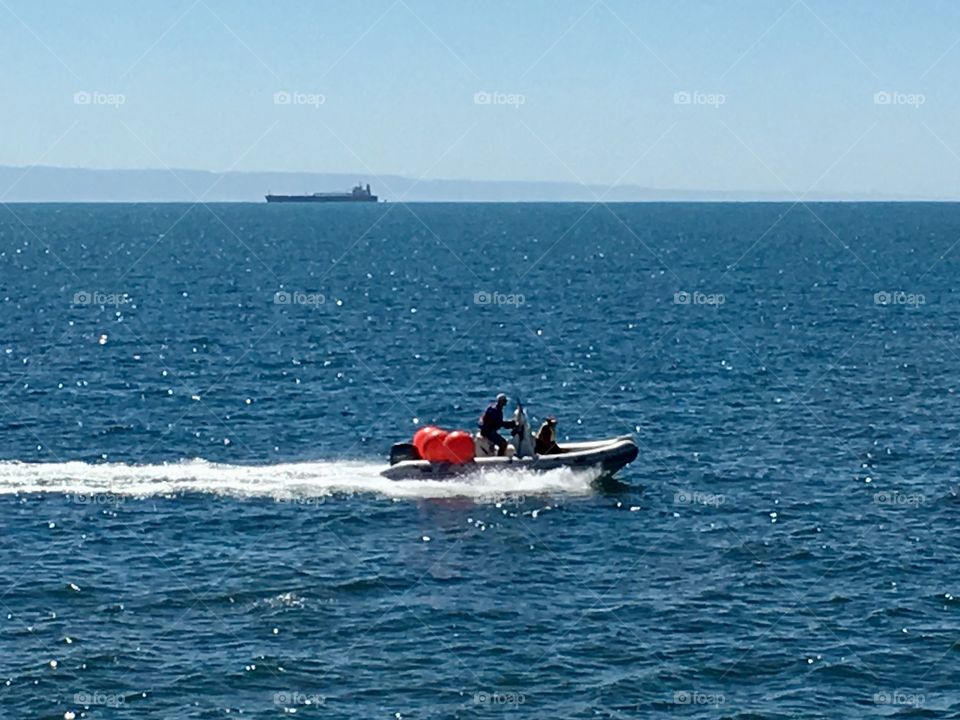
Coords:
pixel 195 404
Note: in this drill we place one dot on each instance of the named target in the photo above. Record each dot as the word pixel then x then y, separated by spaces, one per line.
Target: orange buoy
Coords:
pixel 433 447
pixel 459 446
pixel 420 437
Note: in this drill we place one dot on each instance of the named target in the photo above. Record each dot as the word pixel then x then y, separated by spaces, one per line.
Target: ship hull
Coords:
pixel 319 199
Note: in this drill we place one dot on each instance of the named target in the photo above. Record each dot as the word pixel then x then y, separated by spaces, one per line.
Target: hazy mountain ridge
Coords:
pixel 56 184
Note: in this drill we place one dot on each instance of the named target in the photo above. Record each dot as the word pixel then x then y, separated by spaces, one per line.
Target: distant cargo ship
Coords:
pixel 358 194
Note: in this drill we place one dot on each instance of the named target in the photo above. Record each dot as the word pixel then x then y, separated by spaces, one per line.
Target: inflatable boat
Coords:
pixel 608 456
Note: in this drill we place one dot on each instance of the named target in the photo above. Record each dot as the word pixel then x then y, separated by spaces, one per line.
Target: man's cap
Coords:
pixel 501 398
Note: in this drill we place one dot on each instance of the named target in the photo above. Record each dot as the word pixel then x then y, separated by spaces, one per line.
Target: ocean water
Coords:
pixel 196 401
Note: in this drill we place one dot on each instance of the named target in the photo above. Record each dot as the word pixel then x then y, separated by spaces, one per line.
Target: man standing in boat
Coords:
pixel 492 421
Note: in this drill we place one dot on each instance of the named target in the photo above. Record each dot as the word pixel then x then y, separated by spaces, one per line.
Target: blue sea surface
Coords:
pixel 196 402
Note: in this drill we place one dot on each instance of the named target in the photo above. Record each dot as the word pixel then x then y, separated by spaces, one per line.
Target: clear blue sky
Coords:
pixel 398 79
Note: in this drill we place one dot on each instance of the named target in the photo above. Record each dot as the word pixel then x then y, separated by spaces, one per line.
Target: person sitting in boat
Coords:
pixel 491 422
pixel 547 438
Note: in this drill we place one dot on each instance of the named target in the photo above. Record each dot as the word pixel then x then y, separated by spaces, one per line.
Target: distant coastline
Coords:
pixel 58 184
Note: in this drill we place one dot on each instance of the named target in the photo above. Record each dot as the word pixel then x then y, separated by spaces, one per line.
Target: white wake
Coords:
pixel 286 481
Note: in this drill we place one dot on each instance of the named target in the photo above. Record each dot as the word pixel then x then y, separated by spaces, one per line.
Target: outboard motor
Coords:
pixel 403 451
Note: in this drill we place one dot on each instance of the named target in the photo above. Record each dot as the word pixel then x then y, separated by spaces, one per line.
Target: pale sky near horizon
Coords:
pixel 746 95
